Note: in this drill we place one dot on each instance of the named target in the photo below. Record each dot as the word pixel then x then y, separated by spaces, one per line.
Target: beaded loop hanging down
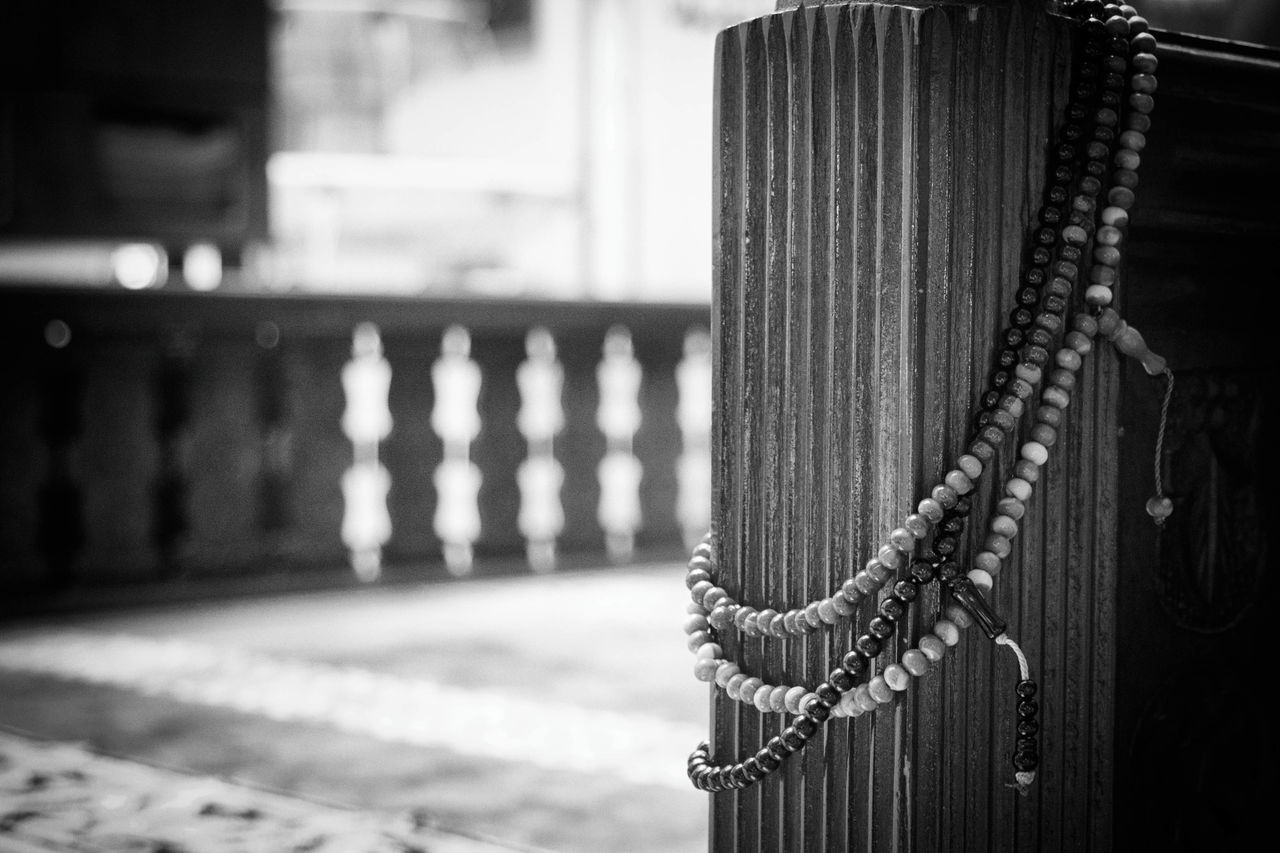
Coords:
pixel 1091 147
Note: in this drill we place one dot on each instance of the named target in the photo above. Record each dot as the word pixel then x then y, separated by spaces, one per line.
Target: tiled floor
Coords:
pixel 550 713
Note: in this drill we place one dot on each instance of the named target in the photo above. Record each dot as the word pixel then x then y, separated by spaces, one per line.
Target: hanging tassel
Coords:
pixel 1159 507
pixel 1026 754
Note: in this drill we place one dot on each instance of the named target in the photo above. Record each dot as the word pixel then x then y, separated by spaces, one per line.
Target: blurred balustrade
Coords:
pixel 158 434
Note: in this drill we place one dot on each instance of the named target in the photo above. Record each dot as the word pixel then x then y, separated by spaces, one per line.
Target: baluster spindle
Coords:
pixel 366 381
pixel 456 420
pixel 540 379
pixel 618 377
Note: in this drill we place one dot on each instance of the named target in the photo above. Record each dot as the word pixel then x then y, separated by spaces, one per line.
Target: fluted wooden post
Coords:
pixel 878 170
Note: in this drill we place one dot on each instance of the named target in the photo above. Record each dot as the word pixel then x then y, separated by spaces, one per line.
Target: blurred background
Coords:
pixel 356 418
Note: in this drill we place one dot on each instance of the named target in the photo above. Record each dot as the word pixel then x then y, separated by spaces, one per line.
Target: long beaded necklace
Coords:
pixel 1101 138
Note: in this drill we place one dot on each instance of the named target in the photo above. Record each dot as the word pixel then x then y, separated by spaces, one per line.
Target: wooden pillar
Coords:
pixel 878 168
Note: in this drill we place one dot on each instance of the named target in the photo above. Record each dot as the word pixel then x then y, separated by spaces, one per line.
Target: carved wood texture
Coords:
pixel 878 168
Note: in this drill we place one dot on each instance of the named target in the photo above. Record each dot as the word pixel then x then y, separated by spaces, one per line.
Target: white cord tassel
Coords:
pixel 1022 778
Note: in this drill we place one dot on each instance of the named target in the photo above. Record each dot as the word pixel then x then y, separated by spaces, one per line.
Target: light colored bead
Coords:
pixel 1145 83
pixel 946 631
pixel 896 677
pixel 959 615
pixel 1134 140
pixel 1016 487
pixel 709 650
pixel 982 580
pixel 747 690
pixel 1013 405
pixel 734 684
pixel 699 590
pixel 696 640
pixel 889 556
pixel 865 583
pixel 838 710
pixel 1075 235
pixel 849 704
pixel 880 690
pixel 915 661
pixel 944 495
pixel 902 539
pixel 970 465
pixel 765 620
pixel 1098 294
pixel 878 572
pixel 1028 372
pixel 727 670
pixel 987 561
pixel 931 510
pixel 1121 197
pixel 751 626
pixel 917 524
pixel 1080 343
pixel 778 699
pixel 812 616
pixel 1145 63
pixel 704 669
pixel 701 558
pixel 1068 358
pixel 1004 525
pixel 789 623
pixel 1116 217
pixel 1108 235
pixel 843 606
pixel 1034 451
pixel 1142 102
pixel 1108 255
pixel 1127 158
pixel 1012 507
pixel 958 481
pixel 761 698
pixel 827 611
pixel 792 699
pixel 932 647
pixel 778 625
pixel 695 622
pixel 863 698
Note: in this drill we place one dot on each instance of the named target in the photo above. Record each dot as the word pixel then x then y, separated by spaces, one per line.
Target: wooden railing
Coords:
pixel 160 434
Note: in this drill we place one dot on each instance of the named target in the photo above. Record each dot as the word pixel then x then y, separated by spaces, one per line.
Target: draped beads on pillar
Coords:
pixel 540 378
pixel 455 417
pixel 366 381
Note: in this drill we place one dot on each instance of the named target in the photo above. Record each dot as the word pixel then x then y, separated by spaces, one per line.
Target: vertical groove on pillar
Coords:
pixel 877 169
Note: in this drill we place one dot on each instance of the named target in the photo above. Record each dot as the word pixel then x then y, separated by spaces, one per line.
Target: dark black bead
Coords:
pixel 1125 178
pixel 1007 358
pixel 828 692
pixel 1021 318
pixel 778 747
pixel 1027 728
pixel 855 663
pixel 962 507
pixel 1089 8
pixel 906 590
pixel 949 570
pixel 880 628
pixel 1102 133
pixel 892 609
pixel 1069 253
pixel 1085 91
pixel 1039 356
pixel 816 711
pixel 1110 99
pixel 1028 296
pixel 999 379
pixel 989 399
pixel 1072 132
pixel 1076 112
pixel 992 435
pixel 767 760
pixel 1096 151
pixel 1026 689
pixel 738 776
pixel 1047 236
pixel 1096 168
pixel 982 450
pixel 1063 174
pixel 1088 72
pixel 1090 185
pixel 1066 269
pixel 1058 194
pixel 1065 153
pixel 1028 708
pixel 952 524
pixel 1025 744
pixel 805 725
pixel 1118 45
pixel 1051 215
pixel 868 645
pixel 923 572
pixel 753 769
pixel 1114 82
pixel 1084 220
pixel 792 738
pixel 1026 763
pixel 1039 337
pixel 982 419
pixel 945 546
pixel 1035 276
pixel 841 679
pixel 1093 29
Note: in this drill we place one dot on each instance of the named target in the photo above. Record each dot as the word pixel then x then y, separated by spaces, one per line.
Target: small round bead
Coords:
pixel 896 677
pixel 765 620
pixel 1138 122
pixel 1115 217
pixel 1141 102
pixel 1106 117
pixel 863 582
pixel 843 606
pixel 827 611
pixel 1063 378
pixel 1145 63
pixel 1004 525
pixel 747 690
pixel 699 590
pixel 1055 396
pixel 849 705
pixel 983 450
pixel 998 545
pixel 812 616
pixel 1133 140
pixel 727 670
pixel 1127 158
pixel 1108 255
pixel 1117 25
pixel 762 697
pixel 946 631
pixel 1075 235
pixel 1034 451
pixel 958 481
pixel 1028 372
pixel 862 696
pixel 1121 197
pixel 878 572
pixel 1016 487
pixel 867 644
pixel 914 661
pixel 880 628
pixel 906 590
pixel 1160 508
pixel 1099 295
pixel 1026 470
pixel 713 597
pixel 981 579
pixel 695 622
pixel 791 699
pixel 704 669
pixel 959 615
pixel 1108 235
pixel 933 647
pixel 944 495
pixel 734 684
pixel 917 524
pixel 751 626
pixel 709 650
pixel 902 539
pixel 970 465
pixel 1044 434
pixel 696 640
pixel 880 690
pixel 1144 83
pixel 695 577
pixel 988 561
pixel 931 510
